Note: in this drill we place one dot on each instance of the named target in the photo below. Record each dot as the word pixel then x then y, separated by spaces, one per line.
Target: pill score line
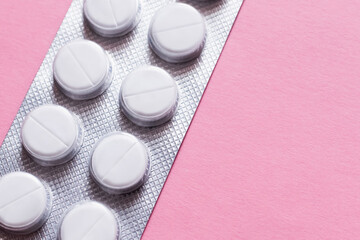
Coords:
pixel 81 67
pixel 19 198
pixel 48 131
pixel 177 28
pixel 148 91
pixel 119 161
pixel 113 13
pixel 93 226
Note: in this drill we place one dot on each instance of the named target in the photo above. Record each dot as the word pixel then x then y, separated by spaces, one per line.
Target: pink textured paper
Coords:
pixel 273 151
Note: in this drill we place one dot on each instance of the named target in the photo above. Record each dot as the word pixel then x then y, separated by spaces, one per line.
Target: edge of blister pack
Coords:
pixel 71 182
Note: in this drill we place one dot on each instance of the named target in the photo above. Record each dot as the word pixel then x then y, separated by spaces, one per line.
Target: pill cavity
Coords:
pixel 177 33
pixel 149 96
pixel 25 202
pixel 82 70
pixel 89 221
pixel 111 18
pixel 119 163
pixel 51 135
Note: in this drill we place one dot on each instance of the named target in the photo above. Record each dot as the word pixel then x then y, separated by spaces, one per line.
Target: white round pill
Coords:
pixel 25 202
pixel 111 18
pixel 51 135
pixel 177 33
pixel 119 163
pixel 89 221
pixel 149 96
pixel 82 70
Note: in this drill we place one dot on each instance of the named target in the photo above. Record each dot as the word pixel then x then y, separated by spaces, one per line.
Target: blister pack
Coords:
pixel 103 134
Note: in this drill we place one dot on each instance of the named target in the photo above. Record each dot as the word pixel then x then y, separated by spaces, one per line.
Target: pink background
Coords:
pixel 273 151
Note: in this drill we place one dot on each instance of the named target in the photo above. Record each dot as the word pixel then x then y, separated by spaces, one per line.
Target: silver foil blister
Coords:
pixel 71 182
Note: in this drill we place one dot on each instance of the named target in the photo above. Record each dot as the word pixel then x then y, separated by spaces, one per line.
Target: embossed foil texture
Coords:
pixel 71 182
